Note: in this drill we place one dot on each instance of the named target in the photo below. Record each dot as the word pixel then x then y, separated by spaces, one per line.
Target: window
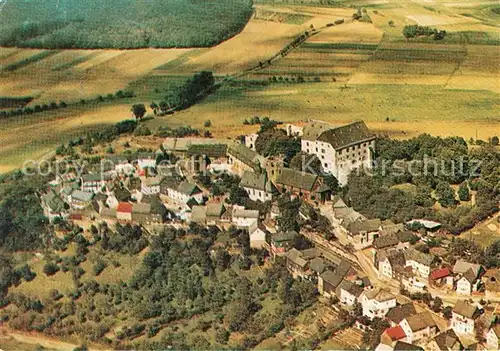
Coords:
pixel 326 165
pixel 323 151
pixel 307 143
pixel 316 149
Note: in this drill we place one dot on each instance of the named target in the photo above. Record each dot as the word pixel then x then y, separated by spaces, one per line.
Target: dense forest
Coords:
pixel 412 176
pixel 121 24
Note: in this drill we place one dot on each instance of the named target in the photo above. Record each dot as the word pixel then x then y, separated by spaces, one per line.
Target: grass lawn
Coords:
pixel 485 233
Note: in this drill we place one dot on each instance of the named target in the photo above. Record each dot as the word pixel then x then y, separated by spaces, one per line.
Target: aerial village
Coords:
pixel 367 267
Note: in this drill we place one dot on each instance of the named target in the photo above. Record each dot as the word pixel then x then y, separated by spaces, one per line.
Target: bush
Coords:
pixel 50 268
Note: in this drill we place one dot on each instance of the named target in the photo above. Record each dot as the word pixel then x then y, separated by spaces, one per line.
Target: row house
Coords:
pixel 493 337
pixel 151 185
pixel 329 280
pixel 445 341
pixel 182 192
pixel 210 214
pixel 142 213
pixel 243 218
pixel 94 183
pixel 242 158
pixel 419 327
pixel 302 184
pixel 363 233
pixel 307 263
pixel 282 242
pixel 340 149
pixel 401 264
pixel 258 186
pixel 258 236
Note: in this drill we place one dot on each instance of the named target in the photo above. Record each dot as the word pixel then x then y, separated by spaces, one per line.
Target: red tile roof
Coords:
pixel 395 333
pixel 440 273
pixel 124 207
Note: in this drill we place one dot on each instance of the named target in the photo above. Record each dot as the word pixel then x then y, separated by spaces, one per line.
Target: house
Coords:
pixel 305 185
pixel 151 185
pixel 250 140
pixel 468 275
pixel 397 314
pixel 282 242
pixel 419 327
pixel 464 317
pixel 349 292
pixel 143 213
pixel 120 163
pixel 80 199
pixel 210 214
pixel 257 236
pixel 440 275
pixel 295 263
pixel 98 202
pixel 404 346
pixel 340 149
pixel 145 160
pixel 399 240
pixel 124 211
pixel 419 261
pixel 377 303
pixel 392 334
pixel 53 206
pixel 445 341
pixel 329 280
pixel 182 192
pixel 245 218
pixel 466 283
pixel 363 232
pixel 493 337
pixel 258 186
pixel 390 263
pixel 242 158
pixel 93 183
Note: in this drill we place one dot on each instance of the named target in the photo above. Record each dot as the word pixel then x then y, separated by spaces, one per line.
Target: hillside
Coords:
pixel 121 24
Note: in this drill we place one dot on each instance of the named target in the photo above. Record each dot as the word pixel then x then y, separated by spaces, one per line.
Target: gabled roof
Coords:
pixel 385 241
pixel 210 150
pixel 347 135
pixel 284 237
pixel 152 181
pixel 470 276
pixel 245 154
pixel 368 225
pixel 215 209
pixel 350 287
pixel 414 255
pixel 257 181
pixel 463 308
pixel 95 177
pixel 400 312
pixel 296 179
pixel 318 265
pixel 404 346
pixel 421 321
pixel 314 128
pixel 379 295
pixel 141 208
pixel 440 273
pixel 81 195
pixel 447 340
pixel 188 188
pixel 395 333
pixel 246 213
pixel 124 207
pixel 496 330
pixel 332 278
pixel 198 214
pixel 295 256
pixel 461 267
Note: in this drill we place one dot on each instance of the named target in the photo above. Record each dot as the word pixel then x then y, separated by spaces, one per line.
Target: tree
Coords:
pixel 207 124
pixel 139 110
pixel 494 141
pixel 222 336
pixel 154 106
pixel 447 312
pixel 463 192
pixel 445 194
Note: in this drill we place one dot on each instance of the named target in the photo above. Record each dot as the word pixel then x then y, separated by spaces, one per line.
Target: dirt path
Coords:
pixel 37 339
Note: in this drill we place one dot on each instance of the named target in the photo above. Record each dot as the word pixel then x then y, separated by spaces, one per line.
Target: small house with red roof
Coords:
pixel 393 334
pixel 124 211
pixel 442 276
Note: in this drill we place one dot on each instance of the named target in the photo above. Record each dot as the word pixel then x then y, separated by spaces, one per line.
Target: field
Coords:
pixel 121 24
pixel 486 233
pixel 351 71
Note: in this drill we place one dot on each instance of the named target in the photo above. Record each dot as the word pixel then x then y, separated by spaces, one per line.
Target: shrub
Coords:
pixel 50 268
